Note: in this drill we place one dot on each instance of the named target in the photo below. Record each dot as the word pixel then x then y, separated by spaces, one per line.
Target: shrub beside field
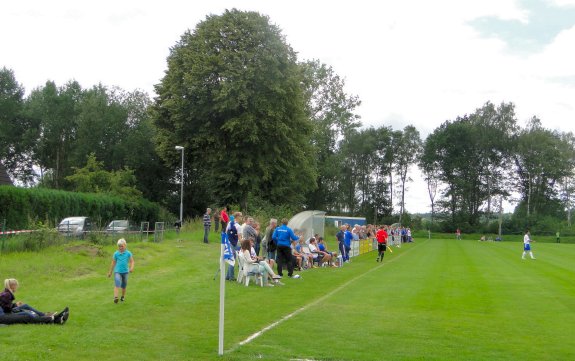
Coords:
pixel 23 207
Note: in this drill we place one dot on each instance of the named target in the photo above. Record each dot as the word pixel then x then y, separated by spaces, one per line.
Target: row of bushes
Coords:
pixel 45 237
pixel 22 208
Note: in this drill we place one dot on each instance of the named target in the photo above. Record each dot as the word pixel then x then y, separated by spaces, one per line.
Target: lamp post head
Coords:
pixel 179 147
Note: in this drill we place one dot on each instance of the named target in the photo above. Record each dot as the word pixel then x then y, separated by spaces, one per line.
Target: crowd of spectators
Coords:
pixel 274 247
pixel 279 247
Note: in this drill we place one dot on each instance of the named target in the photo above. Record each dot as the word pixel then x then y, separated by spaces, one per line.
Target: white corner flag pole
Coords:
pixel 222 298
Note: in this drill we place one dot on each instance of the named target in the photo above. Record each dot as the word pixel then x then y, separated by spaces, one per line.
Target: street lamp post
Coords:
pixel 182 186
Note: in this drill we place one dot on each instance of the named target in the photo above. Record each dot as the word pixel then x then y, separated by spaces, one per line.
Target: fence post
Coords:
pixel 3 235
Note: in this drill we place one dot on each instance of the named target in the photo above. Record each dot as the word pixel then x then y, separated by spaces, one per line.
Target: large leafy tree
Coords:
pixel 54 111
pixel 471 157
pixel 101 128
pixel 331 111
pixel 407 153
pixel 232 97
pixel 567 183
pixel 17 132
pixel 115 125
pixel 93 178
pixel 363 187
pixel 381 168
pixel 431 168
pixel 544 158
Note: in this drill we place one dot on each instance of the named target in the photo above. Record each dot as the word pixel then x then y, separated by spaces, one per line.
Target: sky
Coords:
pixel 411 62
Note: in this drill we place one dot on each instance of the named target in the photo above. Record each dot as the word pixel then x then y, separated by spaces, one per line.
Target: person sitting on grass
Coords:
pixel 26 317
pixel 28 313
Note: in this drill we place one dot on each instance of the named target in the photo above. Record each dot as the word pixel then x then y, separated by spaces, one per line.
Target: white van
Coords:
pixel 75 226
pixel 118 226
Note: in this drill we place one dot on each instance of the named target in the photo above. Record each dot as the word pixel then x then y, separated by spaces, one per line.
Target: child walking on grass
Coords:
pixel 122 265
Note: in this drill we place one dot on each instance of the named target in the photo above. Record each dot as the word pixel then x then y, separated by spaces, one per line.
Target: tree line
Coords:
pixel 259 126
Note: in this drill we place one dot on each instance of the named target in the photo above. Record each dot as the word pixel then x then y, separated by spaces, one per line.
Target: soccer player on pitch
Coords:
pixel 381 236
pixel 527 245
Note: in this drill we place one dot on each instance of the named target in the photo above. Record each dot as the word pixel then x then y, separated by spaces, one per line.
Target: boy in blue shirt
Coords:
pixel 122 265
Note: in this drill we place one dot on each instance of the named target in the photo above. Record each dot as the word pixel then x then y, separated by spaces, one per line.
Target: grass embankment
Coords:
pixel 433 300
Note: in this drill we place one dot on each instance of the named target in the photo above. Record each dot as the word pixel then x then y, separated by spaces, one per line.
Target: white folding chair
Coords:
pixel 246 271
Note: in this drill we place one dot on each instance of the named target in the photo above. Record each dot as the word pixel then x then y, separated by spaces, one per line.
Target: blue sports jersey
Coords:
pixel 347 238
pixel 283 235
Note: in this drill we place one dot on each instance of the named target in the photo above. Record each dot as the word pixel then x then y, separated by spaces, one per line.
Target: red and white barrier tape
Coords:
pixel 16 232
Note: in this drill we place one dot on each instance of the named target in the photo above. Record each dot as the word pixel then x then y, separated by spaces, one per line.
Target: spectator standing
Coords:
pixel 458 234
pixel 268 244
pixel 224 219
pixel 340 235
pixel 283 235
pixel 216 221
pixel 258 241
pixel 240 221
pixel 207 224
pixel 232 233
pixel 248 230
pixel 178 225
pixel 348 237
pixel 355 232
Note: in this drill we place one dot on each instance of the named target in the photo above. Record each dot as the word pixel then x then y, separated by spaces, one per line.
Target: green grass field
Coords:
pixel 432 300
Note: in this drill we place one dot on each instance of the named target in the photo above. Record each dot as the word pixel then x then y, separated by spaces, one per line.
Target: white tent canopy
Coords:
pixel 308 223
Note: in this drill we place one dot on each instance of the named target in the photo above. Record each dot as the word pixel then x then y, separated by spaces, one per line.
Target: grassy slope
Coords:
pixel 437 299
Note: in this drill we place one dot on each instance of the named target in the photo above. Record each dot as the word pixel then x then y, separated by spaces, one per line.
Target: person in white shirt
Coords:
pixel 252 260
pixel 527 245
pixel 319 256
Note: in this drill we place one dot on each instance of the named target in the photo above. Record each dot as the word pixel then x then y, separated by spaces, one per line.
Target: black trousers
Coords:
pixel 284 256
pixel 23 317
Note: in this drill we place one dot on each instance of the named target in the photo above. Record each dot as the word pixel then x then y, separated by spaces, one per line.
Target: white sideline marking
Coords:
pixel 313 303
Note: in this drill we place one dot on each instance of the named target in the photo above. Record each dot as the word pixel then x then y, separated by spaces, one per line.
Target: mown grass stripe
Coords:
pixel 311 304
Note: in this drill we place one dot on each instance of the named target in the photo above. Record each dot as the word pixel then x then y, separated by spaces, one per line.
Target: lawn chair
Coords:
pixel 246 271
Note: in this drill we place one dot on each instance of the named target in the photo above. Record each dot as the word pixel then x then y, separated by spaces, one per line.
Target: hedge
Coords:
pixel 22 208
